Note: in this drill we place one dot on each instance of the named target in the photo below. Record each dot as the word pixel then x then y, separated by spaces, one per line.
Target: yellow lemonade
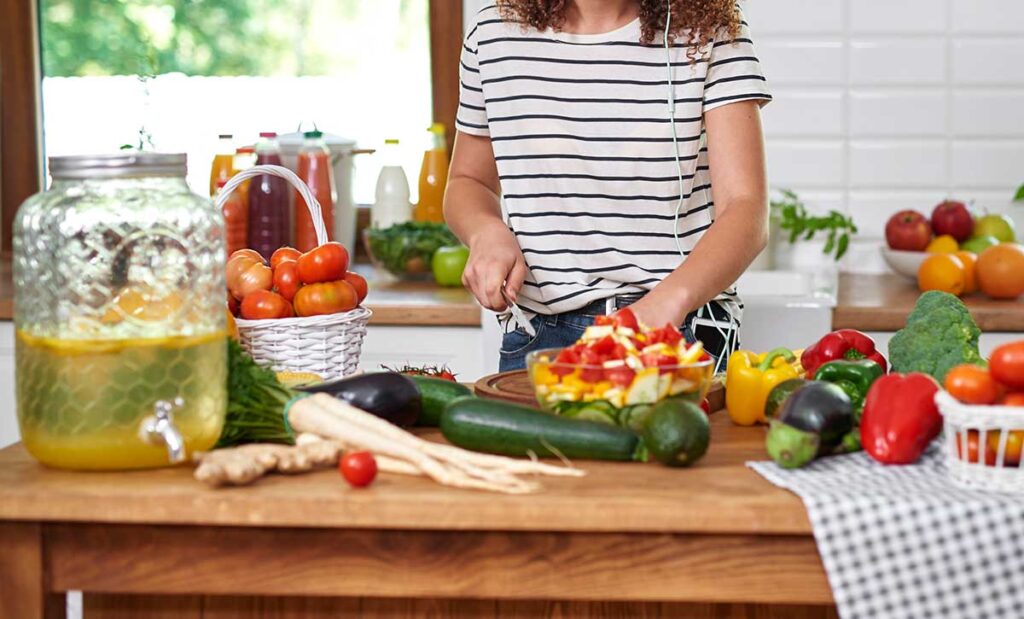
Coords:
pixel 81 402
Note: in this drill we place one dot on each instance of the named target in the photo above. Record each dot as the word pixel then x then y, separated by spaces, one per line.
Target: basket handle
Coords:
pixel 315 213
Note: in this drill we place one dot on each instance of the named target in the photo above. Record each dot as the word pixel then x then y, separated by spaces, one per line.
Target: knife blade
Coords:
pixel 519 316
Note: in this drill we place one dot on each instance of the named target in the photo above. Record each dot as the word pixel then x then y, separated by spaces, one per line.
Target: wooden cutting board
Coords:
pixel 516 387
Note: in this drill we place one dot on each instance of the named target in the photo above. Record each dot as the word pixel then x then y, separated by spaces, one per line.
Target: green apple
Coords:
pixel 999 226
pixel 448 263
pixel 978 244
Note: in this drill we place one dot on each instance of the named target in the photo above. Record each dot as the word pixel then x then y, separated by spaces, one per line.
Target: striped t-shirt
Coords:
pixel 580 132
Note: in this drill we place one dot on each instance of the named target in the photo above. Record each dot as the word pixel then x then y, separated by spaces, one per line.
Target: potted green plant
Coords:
pixel 793 226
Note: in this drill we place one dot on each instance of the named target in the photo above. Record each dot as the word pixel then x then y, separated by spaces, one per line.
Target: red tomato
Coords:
pixel 604 346
pixel 705 406
pixel 660 361
pixel 627 319
pixel 359 468
pixel 1014 442
pixel 568 356
pixel 603 321
pixel 589 356
pixel 1007 364
pixel 972 449
pixel 621 376
pixel 263 304
pixel 1013 399
pixel 326 263
pixel 359 283
pixel 286 279
pixel 325 298
pixel 284 254
pixel 592 375
pixel 972 384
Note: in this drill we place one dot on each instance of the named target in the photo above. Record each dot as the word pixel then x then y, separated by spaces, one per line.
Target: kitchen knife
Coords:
pixel 519 315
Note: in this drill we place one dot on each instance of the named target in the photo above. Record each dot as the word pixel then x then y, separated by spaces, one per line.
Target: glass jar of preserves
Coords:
pixel 120 353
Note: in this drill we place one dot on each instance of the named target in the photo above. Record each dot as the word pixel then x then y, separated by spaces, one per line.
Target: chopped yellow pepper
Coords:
pixel 750 377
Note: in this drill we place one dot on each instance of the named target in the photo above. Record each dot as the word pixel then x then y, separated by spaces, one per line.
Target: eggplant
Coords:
pixel 811 423
pixel 387 395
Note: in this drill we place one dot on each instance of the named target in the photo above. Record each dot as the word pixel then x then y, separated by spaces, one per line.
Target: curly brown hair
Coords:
pixel 703 18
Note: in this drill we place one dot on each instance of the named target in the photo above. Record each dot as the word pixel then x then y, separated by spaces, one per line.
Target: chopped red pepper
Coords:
pixel 842 344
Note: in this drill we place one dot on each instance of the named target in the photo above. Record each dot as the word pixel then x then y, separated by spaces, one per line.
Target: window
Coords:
pixel 171 75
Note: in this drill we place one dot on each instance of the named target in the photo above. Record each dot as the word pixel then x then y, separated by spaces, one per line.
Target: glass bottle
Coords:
pixel 269 202
pixel 391 204
pixel 314 168
pixel 433 178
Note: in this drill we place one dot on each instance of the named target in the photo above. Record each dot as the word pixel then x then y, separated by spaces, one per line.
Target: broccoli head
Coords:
pixel 940 334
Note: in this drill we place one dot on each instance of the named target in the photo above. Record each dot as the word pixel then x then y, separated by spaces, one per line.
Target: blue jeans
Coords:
pixel 558 331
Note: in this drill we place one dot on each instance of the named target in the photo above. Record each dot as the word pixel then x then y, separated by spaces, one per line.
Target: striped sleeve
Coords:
pixel 471 117
pixel 734 72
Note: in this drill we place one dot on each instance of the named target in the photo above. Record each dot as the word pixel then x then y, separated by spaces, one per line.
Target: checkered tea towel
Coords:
pixel 902 542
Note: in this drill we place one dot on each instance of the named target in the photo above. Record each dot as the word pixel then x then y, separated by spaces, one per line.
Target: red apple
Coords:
pixel 953 218
pixel 908 231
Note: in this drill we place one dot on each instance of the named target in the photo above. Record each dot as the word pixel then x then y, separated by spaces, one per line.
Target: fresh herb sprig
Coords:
pixel 256 403
pixel 795 219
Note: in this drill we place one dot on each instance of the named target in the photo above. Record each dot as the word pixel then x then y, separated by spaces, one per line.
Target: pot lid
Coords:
pixel 293 141
pixel 118 165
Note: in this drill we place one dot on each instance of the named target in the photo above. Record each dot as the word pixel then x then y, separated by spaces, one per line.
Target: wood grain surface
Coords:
pixel 100 606
pixel 401 303
pixel 517 388
pixel 718 495
pixel 24 584
pixel 883 302
pixel 446 564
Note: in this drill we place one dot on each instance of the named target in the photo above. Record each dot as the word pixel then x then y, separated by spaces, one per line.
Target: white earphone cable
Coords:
pixel 730 335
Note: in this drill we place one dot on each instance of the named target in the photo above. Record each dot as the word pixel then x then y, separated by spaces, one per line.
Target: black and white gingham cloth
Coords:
pixel 902 542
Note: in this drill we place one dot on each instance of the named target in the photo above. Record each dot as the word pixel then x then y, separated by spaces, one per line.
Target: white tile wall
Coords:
pixel 882 105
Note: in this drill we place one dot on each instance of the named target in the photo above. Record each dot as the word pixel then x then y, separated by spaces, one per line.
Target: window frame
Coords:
pixel 21 81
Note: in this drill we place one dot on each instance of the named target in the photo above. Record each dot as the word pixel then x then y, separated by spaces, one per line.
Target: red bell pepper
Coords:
pixel 900 417
pixel 847 344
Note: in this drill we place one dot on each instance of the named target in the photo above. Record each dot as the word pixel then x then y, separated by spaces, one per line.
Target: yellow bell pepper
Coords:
pixel 750 377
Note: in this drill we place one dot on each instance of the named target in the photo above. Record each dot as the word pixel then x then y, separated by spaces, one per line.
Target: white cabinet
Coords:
pixel 460 348
pixel 8 419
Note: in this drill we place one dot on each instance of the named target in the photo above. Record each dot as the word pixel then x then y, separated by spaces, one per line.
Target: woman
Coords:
pixel 564 114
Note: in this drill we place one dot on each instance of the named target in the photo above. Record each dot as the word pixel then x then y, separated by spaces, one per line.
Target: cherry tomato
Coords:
pixel 263 304
pixel 326 263
pixel 286 279
pixel 1013 399
pixel 325 298
pixel 359 468
pixel 1007 364
pixel 621 376
pixel 359 283
pixel 1014 442
pixel 705 406
pixel 972 384
pixel 284 254
pixel 972 449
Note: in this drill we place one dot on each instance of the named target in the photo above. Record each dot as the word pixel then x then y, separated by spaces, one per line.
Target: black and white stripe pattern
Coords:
pixel 581 136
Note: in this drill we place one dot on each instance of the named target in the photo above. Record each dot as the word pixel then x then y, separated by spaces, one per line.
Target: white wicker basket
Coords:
pixel 961 420
pixel 325 345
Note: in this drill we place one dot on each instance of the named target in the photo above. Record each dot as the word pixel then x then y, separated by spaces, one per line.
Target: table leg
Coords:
pixel 23 575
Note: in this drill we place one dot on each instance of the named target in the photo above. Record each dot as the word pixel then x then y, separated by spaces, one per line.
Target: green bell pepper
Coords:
pixel 855 378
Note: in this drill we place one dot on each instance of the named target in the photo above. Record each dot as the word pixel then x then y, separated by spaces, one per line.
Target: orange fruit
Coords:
pixel 1001 271
pixel 970 261
pixel 943 272
pixel 944 244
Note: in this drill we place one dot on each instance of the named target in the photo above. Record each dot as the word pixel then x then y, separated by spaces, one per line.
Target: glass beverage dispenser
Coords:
pixel 119 315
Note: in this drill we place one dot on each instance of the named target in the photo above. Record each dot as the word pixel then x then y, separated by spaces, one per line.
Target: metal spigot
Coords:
pixel 159 429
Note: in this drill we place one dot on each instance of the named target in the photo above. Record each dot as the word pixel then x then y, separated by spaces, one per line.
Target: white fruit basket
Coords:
pixel 988 470
pixel 325 345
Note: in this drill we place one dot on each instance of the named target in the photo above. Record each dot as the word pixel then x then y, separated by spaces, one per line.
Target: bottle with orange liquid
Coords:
pixel 314 168
pixel 236 220
pixel 222 168
pixel 433 177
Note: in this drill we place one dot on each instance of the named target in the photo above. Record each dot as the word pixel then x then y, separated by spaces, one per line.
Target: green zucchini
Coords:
pixel 435 395
pixel 513 430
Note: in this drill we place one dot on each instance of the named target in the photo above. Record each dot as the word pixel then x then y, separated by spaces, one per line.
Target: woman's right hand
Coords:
pixel 495 262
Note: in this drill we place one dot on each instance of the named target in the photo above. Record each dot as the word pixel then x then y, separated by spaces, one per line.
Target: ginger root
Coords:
pixel 237 466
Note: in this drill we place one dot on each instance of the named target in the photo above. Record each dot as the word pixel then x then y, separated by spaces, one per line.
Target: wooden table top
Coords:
pixel 392 302
pixel 718 495
pixel 882 303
